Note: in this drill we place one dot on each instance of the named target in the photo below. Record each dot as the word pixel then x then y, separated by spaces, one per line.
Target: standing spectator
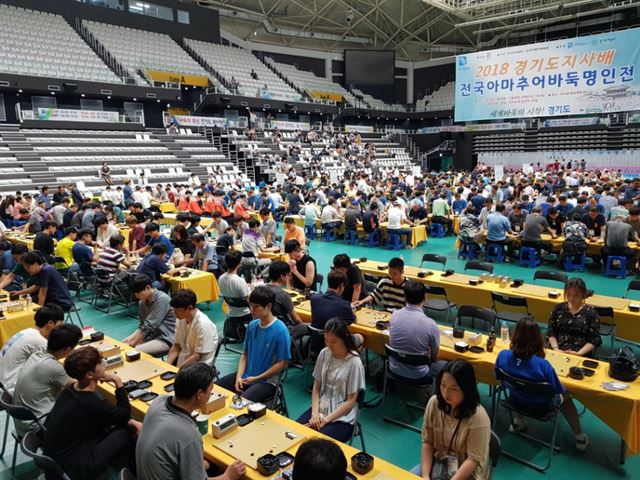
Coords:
pixel 233 286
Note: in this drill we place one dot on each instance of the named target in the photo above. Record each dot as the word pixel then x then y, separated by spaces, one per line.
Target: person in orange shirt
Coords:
pixel 183 203
pixel 293 232
pixel 241 208
pixel 219 206
pixel 196 204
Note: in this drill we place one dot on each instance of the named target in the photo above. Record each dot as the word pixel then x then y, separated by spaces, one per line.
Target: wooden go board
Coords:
pixel 369 317
pixel 615 303
pixel 139 370
pixel 456 278
pixel 561 362
pixel 262 436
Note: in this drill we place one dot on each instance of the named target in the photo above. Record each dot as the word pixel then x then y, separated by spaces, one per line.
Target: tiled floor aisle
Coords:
pixel 398 445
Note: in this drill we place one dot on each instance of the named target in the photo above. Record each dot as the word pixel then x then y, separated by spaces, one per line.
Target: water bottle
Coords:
pixel 504 333
pixel 491 340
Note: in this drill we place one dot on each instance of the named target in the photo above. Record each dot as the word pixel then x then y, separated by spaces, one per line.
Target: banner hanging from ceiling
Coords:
pixel 577 76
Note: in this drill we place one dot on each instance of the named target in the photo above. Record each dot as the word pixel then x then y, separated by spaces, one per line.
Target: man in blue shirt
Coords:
pixel 477 200
pixel 53 288
pixel 267 349
pixel 255 201
pixel 153 230
pixel 497 227
pixel 44 197
pixel 83 255
pixel 459 204
pixel 154 265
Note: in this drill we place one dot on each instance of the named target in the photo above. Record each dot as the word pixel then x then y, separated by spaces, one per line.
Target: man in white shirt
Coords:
pixel 396 217
pixel 104 232
pixel 330 218
pixel 196 335
pixel 107 195
pixel 26 342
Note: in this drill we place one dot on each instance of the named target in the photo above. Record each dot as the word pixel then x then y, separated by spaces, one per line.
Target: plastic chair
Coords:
pixel 31 443
pixel 437 230
pixel 125 474
pixel 610 270
pixel 328 234
pixel 468 250
pixel 310 232
pixel 438 304
pixel 433 258
pixel 550 414
pixel 574 262
pixel 495 447
pixel 278 402
pixel 408 359
pixel 357 426
pixel 107 287
pixel 528 257
pixel 393 241
pixel 476 265
pixel 17 412
pixel 551 276
pixel 633 285
pixel 351 237
pixel 239 327
pixel 607 325
pixel 511 301
pixel 494 252
pixel 372 239
pixel 482 319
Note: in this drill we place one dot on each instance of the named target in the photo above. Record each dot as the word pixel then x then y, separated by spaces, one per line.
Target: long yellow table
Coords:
pixel 619 410
pixel 540 305
pixel 15 322
pixel 21 239
pixel 204 284
pixel 222 459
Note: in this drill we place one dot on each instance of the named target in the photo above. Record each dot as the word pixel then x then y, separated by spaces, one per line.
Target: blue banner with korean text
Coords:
pixel 576 76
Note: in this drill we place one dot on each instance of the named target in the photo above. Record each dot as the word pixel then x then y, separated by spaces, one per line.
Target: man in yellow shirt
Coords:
pixel 66 245
pixel 293 232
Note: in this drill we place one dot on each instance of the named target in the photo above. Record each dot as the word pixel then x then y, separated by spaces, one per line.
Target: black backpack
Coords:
pixel 624 365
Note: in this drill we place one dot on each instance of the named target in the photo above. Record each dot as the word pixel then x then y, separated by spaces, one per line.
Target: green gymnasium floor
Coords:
pixel 398 445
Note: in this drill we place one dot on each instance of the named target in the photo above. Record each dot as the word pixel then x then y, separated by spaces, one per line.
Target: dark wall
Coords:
pixel 205 22
pixel 426 80
pixel 396 94
pixel 463 158
pixel 314 65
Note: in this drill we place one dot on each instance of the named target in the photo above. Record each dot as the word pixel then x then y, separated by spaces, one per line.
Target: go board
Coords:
pixel 139 370
pixel 369 317
pixel 561 362
pixel 260 437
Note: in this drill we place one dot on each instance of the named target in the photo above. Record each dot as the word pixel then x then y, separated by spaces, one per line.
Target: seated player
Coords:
pixel 196 335
pixel 157 326
pixel 42 377
pixel 87 434
pixel 320 459
pixel 169 446
pixel 338 378
pixel 266 351
pixel 23 344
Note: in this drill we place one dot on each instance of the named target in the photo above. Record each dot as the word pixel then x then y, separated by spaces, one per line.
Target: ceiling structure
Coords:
pixel 417 29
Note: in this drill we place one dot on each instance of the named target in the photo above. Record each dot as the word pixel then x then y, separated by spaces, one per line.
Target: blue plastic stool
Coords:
pixel 393 241
pixel 494 253
pixel 310 232
pixel 437 230
pixel 328 235
pixel 574 262
pixel 611 271
pixel 351 237
pixel 372 240
pixel 468 251
pixel 528 257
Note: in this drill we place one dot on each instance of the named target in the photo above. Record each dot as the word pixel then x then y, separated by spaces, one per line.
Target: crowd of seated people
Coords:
pixel 87 235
